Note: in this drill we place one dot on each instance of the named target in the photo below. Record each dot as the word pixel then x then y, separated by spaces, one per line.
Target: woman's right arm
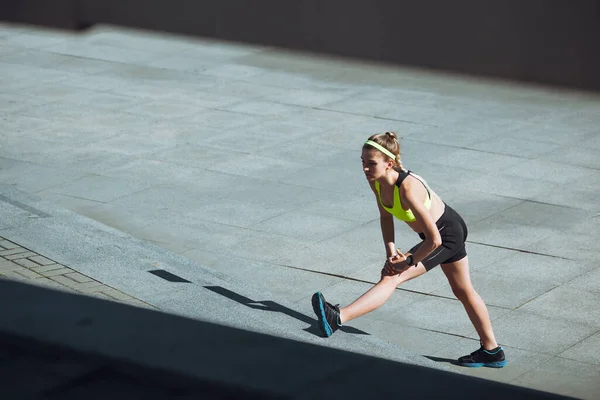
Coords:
pixel 386 221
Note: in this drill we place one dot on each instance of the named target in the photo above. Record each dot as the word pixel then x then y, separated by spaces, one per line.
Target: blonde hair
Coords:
pixel 389 140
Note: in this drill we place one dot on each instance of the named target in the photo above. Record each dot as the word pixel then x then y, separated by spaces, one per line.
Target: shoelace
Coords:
pixel 473 354
pixel 330 305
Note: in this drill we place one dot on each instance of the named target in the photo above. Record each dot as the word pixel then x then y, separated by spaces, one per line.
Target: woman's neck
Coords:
pixel 389 179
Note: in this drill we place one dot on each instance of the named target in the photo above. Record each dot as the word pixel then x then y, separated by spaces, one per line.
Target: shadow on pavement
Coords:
pixel 442 360
pixel 268 305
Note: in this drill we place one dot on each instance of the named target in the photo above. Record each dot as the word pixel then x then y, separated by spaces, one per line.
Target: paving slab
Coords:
pixel 297 224
pixel 495 288
pixel 539 268
pixel 333 250
pixel 502 185
pixel 99 188
pixel 476 206
pixel 552 170
pixel 348 208
pixel 588 282
pixel 582 198
pixel 570 304
pixel 570 245
pixel 496 230
pixel 515 147
pixel 34 177
pixel 584 351
pixel 564 377
pixel 538 333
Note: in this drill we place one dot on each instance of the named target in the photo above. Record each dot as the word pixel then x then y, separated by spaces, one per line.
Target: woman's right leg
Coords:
pixel 460 281
pixel 378 294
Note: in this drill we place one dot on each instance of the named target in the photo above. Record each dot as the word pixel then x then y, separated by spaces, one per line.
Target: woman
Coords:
pixel 406 196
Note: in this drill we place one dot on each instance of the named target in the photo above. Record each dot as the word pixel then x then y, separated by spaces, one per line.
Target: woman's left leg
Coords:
pixel 331 317
pixel 378 294
pixel 460 281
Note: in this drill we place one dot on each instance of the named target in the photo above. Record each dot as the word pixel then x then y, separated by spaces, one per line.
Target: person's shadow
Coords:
pixel 268 305
pixel 442 360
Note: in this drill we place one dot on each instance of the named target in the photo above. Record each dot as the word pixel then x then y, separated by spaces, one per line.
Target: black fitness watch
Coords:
pixel 409 261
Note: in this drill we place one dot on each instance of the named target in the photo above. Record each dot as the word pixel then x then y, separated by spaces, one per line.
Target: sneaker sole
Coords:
pixel 319 310
pixel 494 364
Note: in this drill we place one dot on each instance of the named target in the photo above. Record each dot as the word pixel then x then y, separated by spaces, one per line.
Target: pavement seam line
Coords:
pixel 373 283
pixel 520 250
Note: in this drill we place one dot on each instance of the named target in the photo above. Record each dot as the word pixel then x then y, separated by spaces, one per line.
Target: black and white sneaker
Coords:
pixel 484 358
pixel 328 315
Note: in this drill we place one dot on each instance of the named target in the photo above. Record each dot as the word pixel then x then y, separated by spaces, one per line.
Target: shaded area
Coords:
pixel 82 347
pixel 536 41
pixel 35 368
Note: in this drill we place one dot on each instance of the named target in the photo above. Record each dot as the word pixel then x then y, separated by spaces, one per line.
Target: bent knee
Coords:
pixel 464 293
pixel 394 279
pixel 391 279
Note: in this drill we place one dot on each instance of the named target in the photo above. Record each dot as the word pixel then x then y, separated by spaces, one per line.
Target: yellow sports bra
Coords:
pixel 396 210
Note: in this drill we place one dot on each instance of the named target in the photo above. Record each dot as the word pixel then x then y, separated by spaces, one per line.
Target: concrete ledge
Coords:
pixel 217 355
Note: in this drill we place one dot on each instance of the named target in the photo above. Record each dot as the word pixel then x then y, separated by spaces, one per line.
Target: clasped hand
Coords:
pixel 395 264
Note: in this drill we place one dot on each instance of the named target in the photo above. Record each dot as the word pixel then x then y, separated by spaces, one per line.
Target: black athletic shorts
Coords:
pixel 453 231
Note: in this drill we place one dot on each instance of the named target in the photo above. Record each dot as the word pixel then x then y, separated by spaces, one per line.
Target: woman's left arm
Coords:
pixel 432 236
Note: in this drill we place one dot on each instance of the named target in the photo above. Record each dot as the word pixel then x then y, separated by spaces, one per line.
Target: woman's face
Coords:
pixel 375 164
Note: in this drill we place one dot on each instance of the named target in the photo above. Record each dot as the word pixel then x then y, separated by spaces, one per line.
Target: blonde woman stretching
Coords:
pixel 406 196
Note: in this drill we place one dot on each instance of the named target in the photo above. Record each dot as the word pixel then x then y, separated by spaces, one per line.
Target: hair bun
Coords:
pixel 392 135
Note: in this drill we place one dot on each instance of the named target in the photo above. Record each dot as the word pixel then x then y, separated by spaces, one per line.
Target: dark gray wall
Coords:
pixel 548 41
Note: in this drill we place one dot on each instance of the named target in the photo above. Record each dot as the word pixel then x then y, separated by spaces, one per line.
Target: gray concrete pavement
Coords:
pixel 110 262
pixel 246 160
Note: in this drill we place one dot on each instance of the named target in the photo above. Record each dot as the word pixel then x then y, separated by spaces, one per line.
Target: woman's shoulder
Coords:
pixel 416 183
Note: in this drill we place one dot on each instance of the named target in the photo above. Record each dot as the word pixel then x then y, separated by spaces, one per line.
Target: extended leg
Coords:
pixel 378 294
pixel 331 317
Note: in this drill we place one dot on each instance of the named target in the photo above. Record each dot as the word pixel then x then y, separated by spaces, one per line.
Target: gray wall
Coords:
pixel 548 41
